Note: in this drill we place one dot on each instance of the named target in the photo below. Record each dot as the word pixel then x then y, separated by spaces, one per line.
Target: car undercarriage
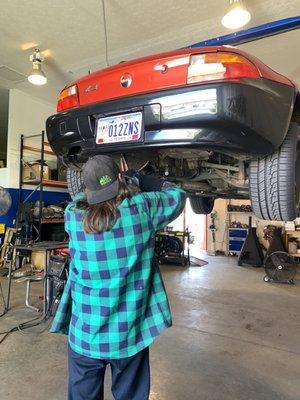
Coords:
pixel 200 172
pixel 234 135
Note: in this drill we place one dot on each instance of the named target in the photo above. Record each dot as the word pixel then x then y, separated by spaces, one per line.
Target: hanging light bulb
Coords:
pixel 37 76
pixel 236 16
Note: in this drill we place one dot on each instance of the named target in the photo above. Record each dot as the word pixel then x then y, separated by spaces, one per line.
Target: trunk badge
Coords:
pixel 126 80
pixel 91 88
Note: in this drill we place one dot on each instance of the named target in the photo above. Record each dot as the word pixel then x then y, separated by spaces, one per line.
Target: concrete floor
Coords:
pixel 234 338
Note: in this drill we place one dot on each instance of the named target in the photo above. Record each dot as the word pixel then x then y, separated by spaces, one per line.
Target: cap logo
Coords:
pixel 104 180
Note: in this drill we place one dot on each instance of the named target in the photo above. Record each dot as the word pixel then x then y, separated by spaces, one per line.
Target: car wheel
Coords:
pixel 202 205
pixel 275 181
pixel 75 182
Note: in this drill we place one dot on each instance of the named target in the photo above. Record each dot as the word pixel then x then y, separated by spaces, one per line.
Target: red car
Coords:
pixel 215 120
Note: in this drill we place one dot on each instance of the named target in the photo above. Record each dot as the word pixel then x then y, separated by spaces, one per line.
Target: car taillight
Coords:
pixel 217 66
pixel 68 98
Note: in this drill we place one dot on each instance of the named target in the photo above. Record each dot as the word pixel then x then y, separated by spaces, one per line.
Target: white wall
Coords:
pixel 27 116
pixel 220 223
pixel 4 181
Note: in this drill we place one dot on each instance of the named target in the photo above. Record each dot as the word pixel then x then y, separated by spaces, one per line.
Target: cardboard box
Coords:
pixel 53 174
pixel 32 172
pixel 38 259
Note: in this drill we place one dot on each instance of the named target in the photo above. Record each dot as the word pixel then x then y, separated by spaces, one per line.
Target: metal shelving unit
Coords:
pixel 235 237
pixel 38 184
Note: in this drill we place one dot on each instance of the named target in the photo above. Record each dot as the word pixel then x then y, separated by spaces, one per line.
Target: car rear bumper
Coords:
pixel 249 117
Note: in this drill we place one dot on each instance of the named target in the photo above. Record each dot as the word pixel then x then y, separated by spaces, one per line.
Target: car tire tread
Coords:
pixel 272 181
pixel 75 182
pixel 202 205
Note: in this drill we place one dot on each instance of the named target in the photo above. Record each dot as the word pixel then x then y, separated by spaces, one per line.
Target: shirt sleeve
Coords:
pixel 70 208
pixel 165 206
pixel 63 314
pixel 67 217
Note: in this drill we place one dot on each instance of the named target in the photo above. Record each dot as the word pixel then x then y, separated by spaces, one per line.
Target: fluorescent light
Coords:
pixel 237 15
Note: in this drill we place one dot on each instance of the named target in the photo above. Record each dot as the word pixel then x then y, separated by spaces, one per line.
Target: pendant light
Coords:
pixel 37 76
pixel 237 15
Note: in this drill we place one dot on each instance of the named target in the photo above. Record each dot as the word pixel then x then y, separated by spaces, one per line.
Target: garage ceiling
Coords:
pixel 71 34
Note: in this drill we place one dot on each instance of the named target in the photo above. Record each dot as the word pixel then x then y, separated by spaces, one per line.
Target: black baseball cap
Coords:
pixel 100 176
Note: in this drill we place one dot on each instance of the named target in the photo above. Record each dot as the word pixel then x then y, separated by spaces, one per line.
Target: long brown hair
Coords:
pixel 101 217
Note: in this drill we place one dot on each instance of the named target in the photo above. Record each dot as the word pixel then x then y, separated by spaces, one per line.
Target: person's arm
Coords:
pixel 70 208
pixel 67 218
pixel 165 205
pixel 165 200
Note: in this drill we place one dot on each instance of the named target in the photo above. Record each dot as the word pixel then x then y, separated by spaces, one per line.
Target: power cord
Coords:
pixel 19 327
pixel 29 324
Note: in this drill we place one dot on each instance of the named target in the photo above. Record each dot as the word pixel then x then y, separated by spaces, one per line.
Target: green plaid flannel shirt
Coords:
pixel 114 303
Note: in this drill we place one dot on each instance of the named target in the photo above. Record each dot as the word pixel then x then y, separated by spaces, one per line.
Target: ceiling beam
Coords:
pixel 252 34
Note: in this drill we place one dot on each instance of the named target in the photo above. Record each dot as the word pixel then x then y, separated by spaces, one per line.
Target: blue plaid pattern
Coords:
pixel 119 303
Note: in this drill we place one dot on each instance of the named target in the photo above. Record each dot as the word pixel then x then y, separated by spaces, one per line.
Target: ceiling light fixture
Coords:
pixel 37 76
pixel 236 16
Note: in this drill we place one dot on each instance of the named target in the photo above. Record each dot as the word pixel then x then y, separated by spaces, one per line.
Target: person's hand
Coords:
pixel 147 183
pixel 131 177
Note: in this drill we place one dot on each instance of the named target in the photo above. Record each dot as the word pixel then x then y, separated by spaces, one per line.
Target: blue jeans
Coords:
pixel 130 377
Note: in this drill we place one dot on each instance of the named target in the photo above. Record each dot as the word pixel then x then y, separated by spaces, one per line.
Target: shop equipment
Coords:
pixel 5 201
pixel 173 247
pixel 280 267
pixel 57 275
pixel 276 242
pixel 251 252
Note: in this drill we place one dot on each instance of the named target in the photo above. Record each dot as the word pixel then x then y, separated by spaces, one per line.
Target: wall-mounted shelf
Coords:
pixel 47 182
pixel 238 229
pixel 52 221
pixel 239 212
pixel 36 150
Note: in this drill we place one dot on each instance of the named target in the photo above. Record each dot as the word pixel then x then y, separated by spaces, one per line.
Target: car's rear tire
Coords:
pixel 202 205
pixel 274 181
pixel 75 182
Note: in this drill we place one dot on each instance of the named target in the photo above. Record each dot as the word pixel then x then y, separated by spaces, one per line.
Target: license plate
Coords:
pixel 119 128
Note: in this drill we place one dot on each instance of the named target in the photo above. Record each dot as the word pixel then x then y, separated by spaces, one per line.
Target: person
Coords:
pixel 114 304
